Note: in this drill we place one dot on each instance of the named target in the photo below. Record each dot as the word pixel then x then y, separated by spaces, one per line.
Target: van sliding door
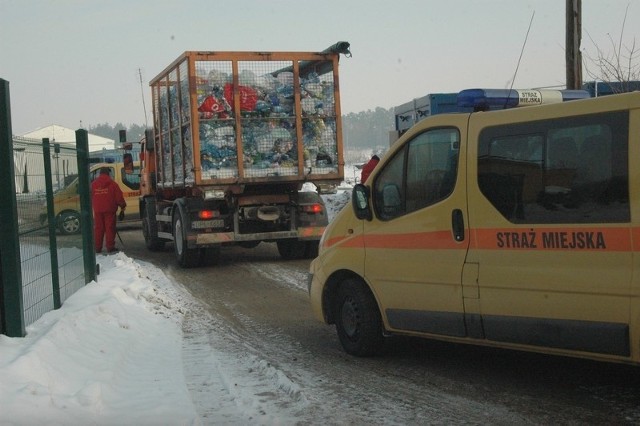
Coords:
pixel 550 213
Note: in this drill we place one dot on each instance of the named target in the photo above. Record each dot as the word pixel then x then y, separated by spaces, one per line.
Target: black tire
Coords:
pixel 69 223
pixel 291 249
pixel 358 320
pixel 150 232
pixel 187 258
pixel 311 249
pixel 210 256
pixel 249 244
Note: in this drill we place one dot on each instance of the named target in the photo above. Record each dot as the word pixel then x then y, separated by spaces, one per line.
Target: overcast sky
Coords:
pixel 79 62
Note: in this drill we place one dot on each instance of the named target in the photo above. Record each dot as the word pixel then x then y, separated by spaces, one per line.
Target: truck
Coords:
pixel 410 113
pixel 241 142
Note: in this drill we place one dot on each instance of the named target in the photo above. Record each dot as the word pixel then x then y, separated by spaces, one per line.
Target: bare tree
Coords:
pixel 619 64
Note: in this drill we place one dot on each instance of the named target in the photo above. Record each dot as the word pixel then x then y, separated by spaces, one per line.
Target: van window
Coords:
pixel 422 173
pixel 131 177
pixel 93 174
pixel 569 170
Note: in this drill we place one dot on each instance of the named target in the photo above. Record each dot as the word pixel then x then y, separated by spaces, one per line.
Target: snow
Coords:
pixel 114 354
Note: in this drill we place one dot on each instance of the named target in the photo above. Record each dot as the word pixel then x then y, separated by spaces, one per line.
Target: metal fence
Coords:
pixel 40 267
pixel 41 248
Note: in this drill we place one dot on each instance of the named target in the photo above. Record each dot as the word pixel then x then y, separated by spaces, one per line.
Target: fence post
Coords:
pixel 53 245
pixel 86 216
pixel 11 279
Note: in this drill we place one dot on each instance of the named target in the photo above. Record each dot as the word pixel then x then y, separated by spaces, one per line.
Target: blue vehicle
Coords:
pixel 470 100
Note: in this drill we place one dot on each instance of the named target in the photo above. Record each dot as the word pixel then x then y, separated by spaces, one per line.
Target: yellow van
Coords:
pixel 67 201
pixel 516 228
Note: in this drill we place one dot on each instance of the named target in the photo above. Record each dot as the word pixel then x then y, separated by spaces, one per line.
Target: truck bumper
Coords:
pixel 307 233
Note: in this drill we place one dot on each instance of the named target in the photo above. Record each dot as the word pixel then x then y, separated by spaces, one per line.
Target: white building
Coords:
pixel 30 169
pixel 66 136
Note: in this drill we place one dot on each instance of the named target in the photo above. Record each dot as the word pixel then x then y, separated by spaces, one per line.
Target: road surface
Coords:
pixel 252 342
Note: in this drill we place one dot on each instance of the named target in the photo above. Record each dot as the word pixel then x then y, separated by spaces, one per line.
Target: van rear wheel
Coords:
pixel 358 320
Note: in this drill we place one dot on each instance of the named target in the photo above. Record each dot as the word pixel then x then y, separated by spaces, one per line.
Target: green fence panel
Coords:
pixel 86 218
pixel 11 281
pixel 33 235
pixel 46 241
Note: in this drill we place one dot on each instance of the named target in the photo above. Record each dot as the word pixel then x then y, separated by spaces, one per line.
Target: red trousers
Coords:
pixel 104 226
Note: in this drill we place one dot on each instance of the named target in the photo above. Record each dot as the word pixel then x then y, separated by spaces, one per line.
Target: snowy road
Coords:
pixel 255 350
pixel 254 355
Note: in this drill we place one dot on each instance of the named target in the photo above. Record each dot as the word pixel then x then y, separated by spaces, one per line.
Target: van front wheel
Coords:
pixel 358 320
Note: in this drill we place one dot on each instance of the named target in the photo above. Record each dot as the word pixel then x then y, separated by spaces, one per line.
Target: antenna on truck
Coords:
pixel 526 37
pixel 144 107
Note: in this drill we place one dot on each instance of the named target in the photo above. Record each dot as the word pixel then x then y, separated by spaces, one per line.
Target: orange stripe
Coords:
pixel 345 242
pixel 409 241
pixel 621 239
pixel 412 241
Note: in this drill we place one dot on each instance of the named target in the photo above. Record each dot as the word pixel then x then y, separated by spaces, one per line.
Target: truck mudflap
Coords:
pixel 311 232
pixel 306 233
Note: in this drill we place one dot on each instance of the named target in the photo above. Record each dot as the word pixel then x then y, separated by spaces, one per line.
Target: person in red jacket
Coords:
pixel 106 197
pixel 368 168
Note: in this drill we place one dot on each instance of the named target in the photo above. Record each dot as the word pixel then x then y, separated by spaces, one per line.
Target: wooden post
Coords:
pixel 573 55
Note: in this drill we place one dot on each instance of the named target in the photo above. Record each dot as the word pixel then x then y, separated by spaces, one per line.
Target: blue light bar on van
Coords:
pixel 491 99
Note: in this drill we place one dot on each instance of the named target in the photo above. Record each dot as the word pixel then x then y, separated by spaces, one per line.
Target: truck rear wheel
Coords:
pixel 311 249
pixel 291 249
pixel 187 258
pixel 358 320
pixel 150 232
pixel 210 256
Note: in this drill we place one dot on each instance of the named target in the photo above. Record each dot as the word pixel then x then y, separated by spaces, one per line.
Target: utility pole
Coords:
pixel 573 56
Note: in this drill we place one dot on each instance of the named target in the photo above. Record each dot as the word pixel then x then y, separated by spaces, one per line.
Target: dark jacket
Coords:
pixel 106 195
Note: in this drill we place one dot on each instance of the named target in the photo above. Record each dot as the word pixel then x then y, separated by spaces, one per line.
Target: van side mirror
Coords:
pixel 360 202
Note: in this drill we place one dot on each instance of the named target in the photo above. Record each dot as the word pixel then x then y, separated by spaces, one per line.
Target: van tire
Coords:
pixel 358 320
pixel 69 223
pixel 187 258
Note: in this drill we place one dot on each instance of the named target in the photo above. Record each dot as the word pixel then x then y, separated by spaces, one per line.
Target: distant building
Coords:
pixel 30 169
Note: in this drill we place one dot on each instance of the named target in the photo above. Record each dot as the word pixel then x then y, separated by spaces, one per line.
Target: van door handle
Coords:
pixel 457 224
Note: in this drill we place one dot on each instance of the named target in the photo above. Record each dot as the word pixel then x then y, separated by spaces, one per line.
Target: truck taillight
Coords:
pixel 312 208
pixel 206 214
